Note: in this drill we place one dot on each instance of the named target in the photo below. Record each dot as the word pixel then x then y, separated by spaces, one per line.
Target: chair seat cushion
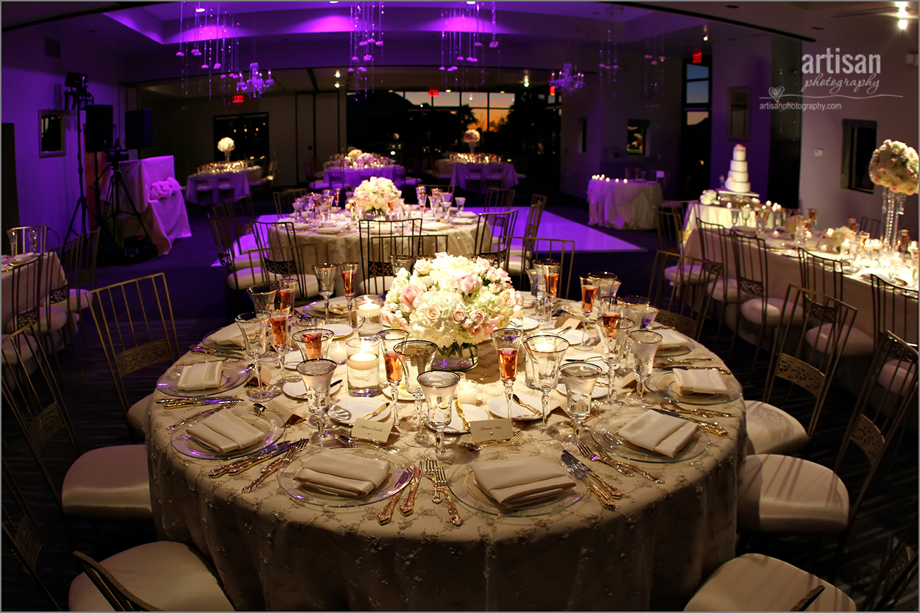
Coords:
pixel 731 293
pixel 79 299
pixel 755 582
pixel 691 273
pixel 137 414
pixel 244 279
pixel 108 483
pixel 894 374
pixel 753 310
pixel 858 342
pixel 57 319
pixel 515 263
pixel 170 576
pixel 245 244
pixel 792 496
pixel 772 430
pixel 25 350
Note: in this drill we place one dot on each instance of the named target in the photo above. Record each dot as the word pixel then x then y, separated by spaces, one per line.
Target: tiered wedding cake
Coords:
pixel 738 173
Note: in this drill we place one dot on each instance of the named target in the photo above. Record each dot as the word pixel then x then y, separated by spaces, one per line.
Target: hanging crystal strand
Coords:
pixel 892 207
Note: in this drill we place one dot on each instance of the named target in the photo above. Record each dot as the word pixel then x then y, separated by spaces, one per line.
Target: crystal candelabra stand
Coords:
pixel 892 207
pixel 567 81
pixel 254 85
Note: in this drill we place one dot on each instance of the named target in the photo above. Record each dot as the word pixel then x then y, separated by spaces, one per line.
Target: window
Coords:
pixel 489 109
pixel 858 145
pixel 738 101
pixel 249 133
pixel 636 131
pixel 697 92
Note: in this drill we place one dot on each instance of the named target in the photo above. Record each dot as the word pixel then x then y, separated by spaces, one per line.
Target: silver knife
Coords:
pixel 250 460
pixel 711 427
pixel 408 505
pixel 171 404
pixel 613 491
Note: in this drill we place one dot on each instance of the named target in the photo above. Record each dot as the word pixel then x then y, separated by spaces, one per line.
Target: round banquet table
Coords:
pixel 273 552
pixel 623 204
pixel 352 177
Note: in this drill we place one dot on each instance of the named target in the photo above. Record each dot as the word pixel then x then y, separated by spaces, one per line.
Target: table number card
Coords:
pixel 368 430
pixel 490 430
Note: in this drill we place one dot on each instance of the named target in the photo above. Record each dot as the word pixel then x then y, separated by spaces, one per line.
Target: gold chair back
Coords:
pixel 679 290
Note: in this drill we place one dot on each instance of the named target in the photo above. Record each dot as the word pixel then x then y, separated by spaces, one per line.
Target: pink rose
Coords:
pixel 409 297
pixel 475 330
pixel 459 316
pixel 477 317
pixel 492 325
pixel 464 282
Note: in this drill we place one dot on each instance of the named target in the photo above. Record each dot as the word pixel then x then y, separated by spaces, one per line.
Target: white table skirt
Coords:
pixel 625 205
pixel 272 552
pixel 460 175
pixel 236 186
pixel 352 177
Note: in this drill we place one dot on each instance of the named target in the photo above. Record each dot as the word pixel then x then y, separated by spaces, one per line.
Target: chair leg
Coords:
pixel 763 329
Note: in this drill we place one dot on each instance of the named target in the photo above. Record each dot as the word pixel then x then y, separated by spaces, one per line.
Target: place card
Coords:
pixel 369 430
pixel 288 416
pixel 490 430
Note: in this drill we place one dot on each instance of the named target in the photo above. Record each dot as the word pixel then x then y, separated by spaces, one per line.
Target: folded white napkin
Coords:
pixel 671 338
pixel 225 432
pixel 518 482
pixel 699 382
pixel 200 376
pixel 433 225
pixel 662 433
pixel 343 474
pixel 228 335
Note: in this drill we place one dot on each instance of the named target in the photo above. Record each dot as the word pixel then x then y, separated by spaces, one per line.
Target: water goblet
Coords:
pixel 439 387
pixel 643 344
pixel 349 280
pixel 545 352
pixel 416 358
pixel 254 327
pixel 317 375
pixel 626 303
pixel 613 329
pixel 263 297
pixel 735 212
pixel 325 278
pixel 507 343
pixel 607 283
pixel 643 314
pixel 298 209
pixel 579 379
pixel 746 214
pixel 313 342
pixel 461 201
pixel 400 262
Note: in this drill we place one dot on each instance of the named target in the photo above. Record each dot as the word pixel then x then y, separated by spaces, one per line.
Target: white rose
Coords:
pixel 422 267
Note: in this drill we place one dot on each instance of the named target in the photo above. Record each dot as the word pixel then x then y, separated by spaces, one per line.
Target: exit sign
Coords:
pixel 238 99
pixel 433 93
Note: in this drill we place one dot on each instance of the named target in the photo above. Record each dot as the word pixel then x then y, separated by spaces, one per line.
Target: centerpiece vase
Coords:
pixel 472 148
pixel 892 208
pixel 456 357
pixel 227 157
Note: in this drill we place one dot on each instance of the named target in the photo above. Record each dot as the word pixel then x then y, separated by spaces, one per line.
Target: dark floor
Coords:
pixel 197 292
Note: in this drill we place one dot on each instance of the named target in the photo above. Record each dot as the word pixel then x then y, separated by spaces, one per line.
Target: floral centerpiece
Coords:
pixel 365 159
pixel 471 137
pixel 835 238
pixel 353 154
pixel 225 146
pixel 453 302
pixel 376 194
pixel 710 196
pixel 894 167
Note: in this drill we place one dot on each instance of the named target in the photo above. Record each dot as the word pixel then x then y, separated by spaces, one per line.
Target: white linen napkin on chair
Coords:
pixel 518 482
pixel 228 335
pixel 671 338
pixel 662 433
pixel 343 474
pixel 699 382
pixel 225 432
pixel 200 376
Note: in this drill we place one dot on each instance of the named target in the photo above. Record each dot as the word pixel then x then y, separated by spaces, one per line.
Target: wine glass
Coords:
pixel 589 288
pixel 349 274
pixel 263 297
pixel 546 352
pixel 579 379
pixel 416 358
pixel 14 242
pixel 735 212
pixel 399 262
pixel 298 209
pixel 607 283
pixel 313 342
pixel 393 366
pixel 287 289
pixel 746 214
pixel 507 343
pixel 280 322
pixel 34 247
pixel 628 302
pixel 420 193
pixel 325 277
pixel 439 387
pixel 317 375
pixel 254 327
pixel 612 329
pixel 643 344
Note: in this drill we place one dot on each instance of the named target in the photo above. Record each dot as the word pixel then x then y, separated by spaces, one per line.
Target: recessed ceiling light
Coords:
pixel 902 23
pixel 199 10
pixel 337 74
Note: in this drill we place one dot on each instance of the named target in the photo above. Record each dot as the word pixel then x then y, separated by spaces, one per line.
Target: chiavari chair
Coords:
pixel 670 223
pixel 284 200
pixel 240 271
pixel 678 290
pixel 283 254
pixel 518 256
pixel 378 241
pixel 20 238
pixel 493 236
pixel 558 249
pixel 715 246
pixel 872 226
pixel 498 200
pixel 894 308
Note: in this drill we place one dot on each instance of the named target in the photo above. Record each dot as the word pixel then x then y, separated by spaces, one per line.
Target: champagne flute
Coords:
pixel 416 358
pixel 280 326
pixel 317 375
pixel 325 278
pixel 393 366
pixel 287 289
pixel 34 247
pixel 643 344
pixel 579 379
pixel 613 330
pixel 546 352
pixel 14 242
pixel 507 343
pixel 589 288
pixel 254 327
pixel 439 387
pixel 349 274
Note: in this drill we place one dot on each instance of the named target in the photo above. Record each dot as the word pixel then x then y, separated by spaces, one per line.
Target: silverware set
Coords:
pixel 277 465
pixel 195 417
pixel 248 461
pixel 177 403
pixel 441 492
pixel 711 427
pixel 221 353
pixel 605 493
pixel 514 440
pixel 624 468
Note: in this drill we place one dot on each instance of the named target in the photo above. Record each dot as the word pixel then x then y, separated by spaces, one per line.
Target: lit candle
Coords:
pixel 545 347
pixel 625 180
pixel 829 233
pixel 369 309
pixel 337 352
pixel 363 361
pixel 467 393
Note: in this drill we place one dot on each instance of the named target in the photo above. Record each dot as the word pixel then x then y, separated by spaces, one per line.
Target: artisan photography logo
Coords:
pixel 831 75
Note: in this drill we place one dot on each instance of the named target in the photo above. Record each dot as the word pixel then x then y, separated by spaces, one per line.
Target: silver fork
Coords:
pixel 599 493
pixel 196 417
pixel 441 484
pixel 591 455
pixel 275 466
pixel 431 468
pixel 625 468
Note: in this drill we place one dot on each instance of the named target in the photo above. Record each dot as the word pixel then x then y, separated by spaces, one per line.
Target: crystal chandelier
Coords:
pixel 366 36
pixel 255 85
pixel 567 81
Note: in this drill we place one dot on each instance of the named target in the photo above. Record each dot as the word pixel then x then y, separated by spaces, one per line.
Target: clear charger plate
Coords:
pixel 218 346
pixel 338 306
pixel 673 351
pixel 664 384
pixel 399 469
pixel 462 484
pixel 605 432
pixel 232 376
pixel 269 423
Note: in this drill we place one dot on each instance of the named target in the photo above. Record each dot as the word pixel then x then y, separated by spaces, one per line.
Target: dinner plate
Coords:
pixel 466 214
pixel 348 410
pixel 298 389
pixel 25 258
pixel 463 221
pixel 403 394
pixel 499 408
pixel 526 323
pixel 331 229
pixel 292 359
pixel 399 471
pixel 605 432
pixel 232 375
pixel 471 412
pixel 337 306
pixel 463 485
pixel 575 338
pixel 269 423
pixel 664 384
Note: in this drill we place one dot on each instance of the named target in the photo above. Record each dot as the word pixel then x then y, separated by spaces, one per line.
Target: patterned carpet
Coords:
pixel 198 302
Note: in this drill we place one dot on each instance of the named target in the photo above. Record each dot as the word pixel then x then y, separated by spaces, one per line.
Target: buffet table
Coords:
pixel 274 552
pixel 161 207
pixel 504 172
pixel 623 204
pixel 209 189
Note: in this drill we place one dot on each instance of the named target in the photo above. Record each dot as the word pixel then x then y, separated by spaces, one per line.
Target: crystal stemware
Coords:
pixel 263 297
pixel 400 262
pixel 280 322
pixel 254 327
pixel 317 375
pixel 34 246
pixel 589 289
pixel 287 289
pixel 607 284
pixel 612 329
pixel 461 201
pixel 14 242
pixel 551 270
pixel 579 379
pixel 545 352
pixel 643 344
pixel 393 366
pixel 325 278
pixel 439 387
pixel 313 342
pixel 349 280
pixel 507 343
pixel 628 302
pixel 416 358
pixel 643 314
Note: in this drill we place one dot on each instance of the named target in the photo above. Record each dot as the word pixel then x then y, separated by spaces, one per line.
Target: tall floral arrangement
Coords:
pixel 471 136
pixel 894 165
pixel 451 301
pixel 376 194
pixel 354 153
pixel 226 145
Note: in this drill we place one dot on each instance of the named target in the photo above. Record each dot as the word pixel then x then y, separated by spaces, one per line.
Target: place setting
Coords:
pixel 226 433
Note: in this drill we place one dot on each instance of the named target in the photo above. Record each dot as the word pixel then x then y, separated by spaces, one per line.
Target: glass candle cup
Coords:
pixel 363 366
